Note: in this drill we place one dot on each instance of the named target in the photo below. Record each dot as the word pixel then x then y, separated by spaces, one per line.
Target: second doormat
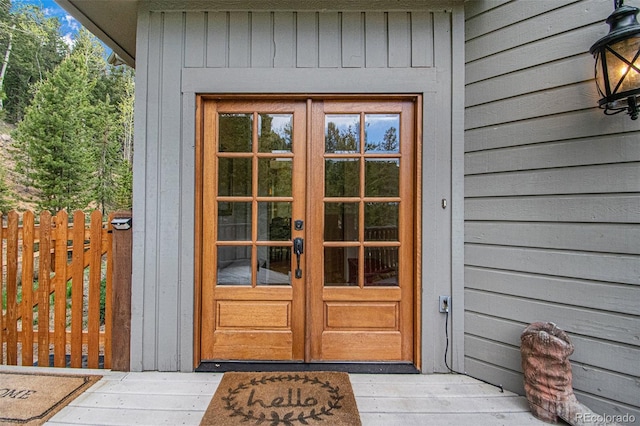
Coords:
pixel 32 398
pixel 287 399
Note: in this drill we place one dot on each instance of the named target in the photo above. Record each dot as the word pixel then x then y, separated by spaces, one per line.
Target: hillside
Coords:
pixel 19 192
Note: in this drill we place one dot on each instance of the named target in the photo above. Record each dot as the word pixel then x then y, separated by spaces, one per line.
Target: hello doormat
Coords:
pixel 32 398
pixel 283 399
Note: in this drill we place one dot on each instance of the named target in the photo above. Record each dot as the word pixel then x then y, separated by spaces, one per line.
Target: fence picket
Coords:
pixel 35 267
pixel 2 250
pixel 26 311
pixel 44 278
pixel 77 288
pixel 12 288
pixel 94 289
pixel 61 221
pixel 1 283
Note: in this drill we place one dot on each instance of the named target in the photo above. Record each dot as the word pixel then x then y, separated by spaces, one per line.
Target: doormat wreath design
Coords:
pixel 283 399
pixel 33 398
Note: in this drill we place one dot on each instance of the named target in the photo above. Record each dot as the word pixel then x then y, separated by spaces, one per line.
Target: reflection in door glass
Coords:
pixel 274 265
pixel 274 221
pixel 342 133
pixel 341 222
pixel 341 266
pixel 342 177
pixel 381 221
pixel 234 177
pixel 234 265
pixel 234 221
pixel 381 266
pixel 274 177
pixel 381 132
pixel 235 132
pixel 274 132
pixel 382 177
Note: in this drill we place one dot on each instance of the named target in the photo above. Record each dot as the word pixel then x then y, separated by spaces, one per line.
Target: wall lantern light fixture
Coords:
pixel 617 58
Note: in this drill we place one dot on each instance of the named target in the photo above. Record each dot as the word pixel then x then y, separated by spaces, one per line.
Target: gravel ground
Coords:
pixel 51 352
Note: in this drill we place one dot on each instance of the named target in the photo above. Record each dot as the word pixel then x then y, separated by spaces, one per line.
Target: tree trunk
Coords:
pixel 5 64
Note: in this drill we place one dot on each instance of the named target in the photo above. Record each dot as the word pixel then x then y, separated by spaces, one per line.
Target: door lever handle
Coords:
pixel 298 249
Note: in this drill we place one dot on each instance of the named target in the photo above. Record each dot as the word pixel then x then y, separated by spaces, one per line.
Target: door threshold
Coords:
pixel 346 367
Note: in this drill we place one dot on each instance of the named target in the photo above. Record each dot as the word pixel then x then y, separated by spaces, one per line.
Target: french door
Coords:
pixel 308 225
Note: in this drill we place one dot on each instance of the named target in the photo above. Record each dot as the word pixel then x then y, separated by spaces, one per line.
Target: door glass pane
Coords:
pixel 381 221
pixel 381 132
pixel 234 221
pixel 235 132
pixel 342 133
pixel 234 177
pixel 382 177
pixel 341 221
pixel 234 265
pixel 274 132
pixel 274 221
pixel 274 265
pixel 342 177
pixel 341 266
pixel 381 266
pixel 274 177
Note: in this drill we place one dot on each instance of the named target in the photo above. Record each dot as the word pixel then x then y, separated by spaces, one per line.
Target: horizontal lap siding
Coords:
pixel 552 200
pixel 171 41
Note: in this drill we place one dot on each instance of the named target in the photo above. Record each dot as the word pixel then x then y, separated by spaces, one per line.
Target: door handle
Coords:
pixel 298 249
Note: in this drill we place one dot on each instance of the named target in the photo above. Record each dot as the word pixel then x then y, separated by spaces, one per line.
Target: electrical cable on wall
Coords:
pixel 446 349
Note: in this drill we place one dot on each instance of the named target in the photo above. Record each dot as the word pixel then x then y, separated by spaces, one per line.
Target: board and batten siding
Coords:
pixel 182 53
pixel 552 199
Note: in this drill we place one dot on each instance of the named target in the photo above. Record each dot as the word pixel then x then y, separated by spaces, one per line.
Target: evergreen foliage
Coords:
pixel 71 141
pixel 5 202
pixel 56 141
pixel 123 89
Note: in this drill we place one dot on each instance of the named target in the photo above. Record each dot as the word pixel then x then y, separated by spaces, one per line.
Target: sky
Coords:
pixel 69 26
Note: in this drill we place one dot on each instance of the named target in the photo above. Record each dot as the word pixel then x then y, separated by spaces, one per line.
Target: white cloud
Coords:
pixel 69 39
pixel 71 22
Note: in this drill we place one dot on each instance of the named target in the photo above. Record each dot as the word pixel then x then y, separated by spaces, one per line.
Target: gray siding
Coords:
pixel 552 200
pixel 182 53
pixel 307 39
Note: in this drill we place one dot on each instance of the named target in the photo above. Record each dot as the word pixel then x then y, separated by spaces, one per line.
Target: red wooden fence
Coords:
pixel 53 272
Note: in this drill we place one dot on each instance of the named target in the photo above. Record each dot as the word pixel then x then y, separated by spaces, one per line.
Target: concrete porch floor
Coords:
pixel 155 398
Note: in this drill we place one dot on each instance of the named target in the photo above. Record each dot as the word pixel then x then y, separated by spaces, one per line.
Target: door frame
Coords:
pixel 417 100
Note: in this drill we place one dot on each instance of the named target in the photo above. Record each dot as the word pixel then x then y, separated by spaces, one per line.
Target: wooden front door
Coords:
pixel 308 226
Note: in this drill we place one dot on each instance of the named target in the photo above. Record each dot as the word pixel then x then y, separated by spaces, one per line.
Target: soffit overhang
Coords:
pixel 114 22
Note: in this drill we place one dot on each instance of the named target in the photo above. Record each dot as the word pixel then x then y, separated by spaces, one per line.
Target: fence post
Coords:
pixel 121 296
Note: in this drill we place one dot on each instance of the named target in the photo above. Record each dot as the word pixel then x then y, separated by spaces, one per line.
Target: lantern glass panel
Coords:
pixel 600 74
pixel 620 72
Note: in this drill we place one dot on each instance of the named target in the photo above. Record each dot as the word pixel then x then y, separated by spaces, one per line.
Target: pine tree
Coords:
pixel 112 123
pixel 55 139
pixel 123 197
pixel 124 187
pixel 107 153
pixel 75 140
